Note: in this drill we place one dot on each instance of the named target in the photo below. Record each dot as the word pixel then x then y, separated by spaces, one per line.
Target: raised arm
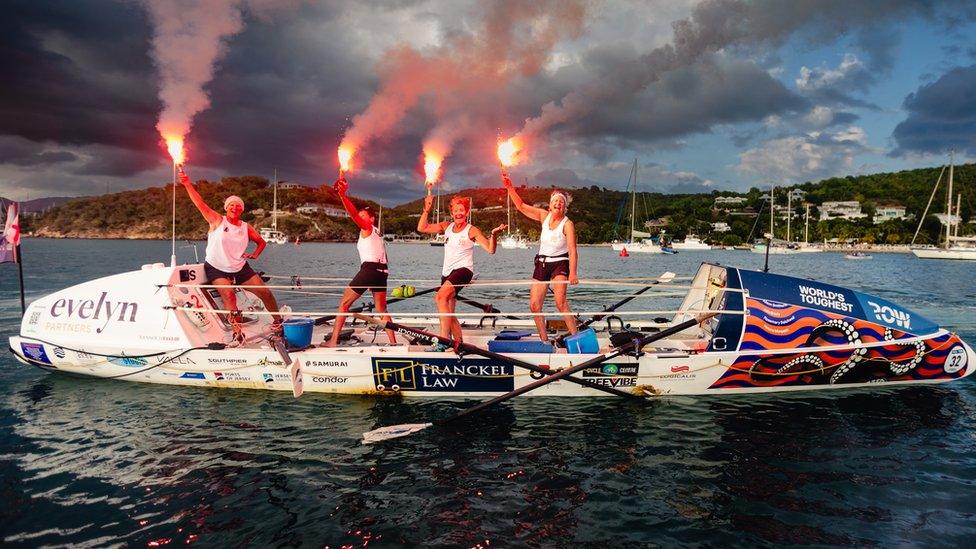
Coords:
pixel 423 226
pixel 487 244
pixel 570 231
pixel 212 217
pixel 255 237
pixel 531 212
pixel 341 187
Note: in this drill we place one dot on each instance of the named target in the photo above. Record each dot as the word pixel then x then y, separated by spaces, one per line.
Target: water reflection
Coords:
pixel 790 462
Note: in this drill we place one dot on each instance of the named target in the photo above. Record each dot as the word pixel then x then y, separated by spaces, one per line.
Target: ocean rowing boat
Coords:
pixel 759 332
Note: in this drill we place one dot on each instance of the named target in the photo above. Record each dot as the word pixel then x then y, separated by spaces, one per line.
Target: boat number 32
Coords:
pixel 956 360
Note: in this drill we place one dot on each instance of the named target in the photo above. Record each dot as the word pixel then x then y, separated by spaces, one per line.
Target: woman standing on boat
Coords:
pixel 226 262
pixel 556 261
pixel 458 268
pixel 373 270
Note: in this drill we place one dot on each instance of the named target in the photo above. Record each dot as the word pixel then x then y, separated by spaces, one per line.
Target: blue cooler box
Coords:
pixel 583 342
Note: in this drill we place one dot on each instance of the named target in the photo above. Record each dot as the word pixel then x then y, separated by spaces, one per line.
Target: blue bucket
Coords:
pixel 584 342
pixel 298 331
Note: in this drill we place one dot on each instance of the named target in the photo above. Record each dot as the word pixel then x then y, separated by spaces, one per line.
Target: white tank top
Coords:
pixel 225 246
pixel 371 248
pixel 552 242
pixel 458 250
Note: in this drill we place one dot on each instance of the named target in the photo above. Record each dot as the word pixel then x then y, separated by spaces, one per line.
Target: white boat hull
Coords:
pixel 955 253
pixel 637 247
pixel 408 372
pixel 145 326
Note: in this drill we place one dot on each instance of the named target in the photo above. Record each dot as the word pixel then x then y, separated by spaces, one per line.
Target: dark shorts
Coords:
pixel 459 278
pixel 237 279
pixel 371 276
pixel 547 270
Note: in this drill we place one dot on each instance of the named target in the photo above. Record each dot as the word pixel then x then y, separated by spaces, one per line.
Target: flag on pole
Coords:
pixel 10 239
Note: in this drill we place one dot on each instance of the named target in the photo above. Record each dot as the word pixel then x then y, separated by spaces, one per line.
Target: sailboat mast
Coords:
pixel 958 214
pixel 949 199
pixel 806 228
pixel 274 206
pixel 633 201
pixel 789 213
pixel 438 214
pixel 772 209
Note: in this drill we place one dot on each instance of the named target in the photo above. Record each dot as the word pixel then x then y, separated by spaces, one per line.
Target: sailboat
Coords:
pixel 441 238
pixel 639 241
pixel 806 247
pixel 272 234
pixel 512 241
pixel 777 248
pixel 955 246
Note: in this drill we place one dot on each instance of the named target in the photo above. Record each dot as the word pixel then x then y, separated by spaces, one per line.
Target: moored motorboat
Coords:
pixel 771 333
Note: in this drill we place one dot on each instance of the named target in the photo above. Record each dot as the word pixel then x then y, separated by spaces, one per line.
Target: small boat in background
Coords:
pixel 272 234
pixel 858 255
pixel 954 247
pixel 691 242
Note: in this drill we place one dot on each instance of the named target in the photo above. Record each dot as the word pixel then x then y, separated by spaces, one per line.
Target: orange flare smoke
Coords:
pixel 175 147
pixel 345 158
pixel 508 152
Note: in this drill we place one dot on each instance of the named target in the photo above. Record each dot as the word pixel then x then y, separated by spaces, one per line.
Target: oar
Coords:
pixel 663 279
pixel 475 350
pixel 323 319
pixel 395 431
pixel 294 368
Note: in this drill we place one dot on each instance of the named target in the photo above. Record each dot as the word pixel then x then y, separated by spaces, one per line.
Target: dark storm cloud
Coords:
pixel 717 25
pixel 940 117
pixel 271 108
pixel 76 73
pixel 116 162
pixel 691 100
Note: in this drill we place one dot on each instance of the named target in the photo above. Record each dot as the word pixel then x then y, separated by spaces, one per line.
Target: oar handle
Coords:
pixel 666 277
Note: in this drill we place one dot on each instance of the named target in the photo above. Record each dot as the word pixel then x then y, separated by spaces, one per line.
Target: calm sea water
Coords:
pixel 87 462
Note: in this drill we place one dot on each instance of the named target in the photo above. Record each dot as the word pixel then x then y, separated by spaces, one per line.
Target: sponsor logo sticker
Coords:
pixel 330 379
pixel 128 362
pixel 35 351
pixel 192 375
pixel 230 376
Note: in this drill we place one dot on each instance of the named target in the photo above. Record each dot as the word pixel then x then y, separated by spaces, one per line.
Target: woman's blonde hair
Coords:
pixel 462 200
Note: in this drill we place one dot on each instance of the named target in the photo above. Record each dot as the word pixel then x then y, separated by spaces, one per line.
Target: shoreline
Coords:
pixel 880 248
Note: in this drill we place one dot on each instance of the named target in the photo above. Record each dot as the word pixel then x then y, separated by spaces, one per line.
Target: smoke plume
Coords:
pixel 466 79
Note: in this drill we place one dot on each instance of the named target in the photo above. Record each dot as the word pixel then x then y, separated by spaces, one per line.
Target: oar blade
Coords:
pixel 393 431
pixel 297 382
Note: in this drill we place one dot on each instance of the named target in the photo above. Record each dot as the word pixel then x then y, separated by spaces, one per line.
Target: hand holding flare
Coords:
pixel 184 179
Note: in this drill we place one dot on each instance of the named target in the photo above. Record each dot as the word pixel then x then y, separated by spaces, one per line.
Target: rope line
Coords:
pixel 696 312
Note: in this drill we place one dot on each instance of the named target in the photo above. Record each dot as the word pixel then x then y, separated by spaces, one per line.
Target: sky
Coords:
pixel 706 95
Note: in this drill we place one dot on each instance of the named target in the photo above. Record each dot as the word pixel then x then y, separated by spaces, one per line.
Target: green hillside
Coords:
pixel 146 213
